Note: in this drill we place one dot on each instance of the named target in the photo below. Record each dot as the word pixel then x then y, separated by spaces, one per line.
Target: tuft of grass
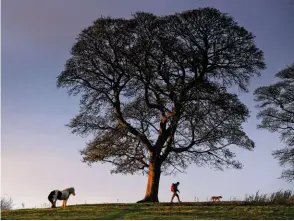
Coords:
pixel 280 197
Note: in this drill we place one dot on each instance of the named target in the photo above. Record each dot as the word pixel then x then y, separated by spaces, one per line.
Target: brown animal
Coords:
pixel 216 198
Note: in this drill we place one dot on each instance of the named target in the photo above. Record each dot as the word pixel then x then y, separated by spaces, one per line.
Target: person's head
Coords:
pixel 178 183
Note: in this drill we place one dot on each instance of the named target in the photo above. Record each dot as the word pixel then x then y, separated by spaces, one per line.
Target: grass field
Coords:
pixel 200 210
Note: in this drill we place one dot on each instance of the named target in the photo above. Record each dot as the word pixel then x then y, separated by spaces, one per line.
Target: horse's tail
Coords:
pixel 50 196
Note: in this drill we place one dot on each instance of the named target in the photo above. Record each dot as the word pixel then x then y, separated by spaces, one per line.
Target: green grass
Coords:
pixel 279 197
pixel 200 210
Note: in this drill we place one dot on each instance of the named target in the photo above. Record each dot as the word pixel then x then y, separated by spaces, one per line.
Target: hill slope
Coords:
pixel 220 210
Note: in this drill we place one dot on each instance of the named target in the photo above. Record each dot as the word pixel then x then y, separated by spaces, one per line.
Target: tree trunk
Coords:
pixel 151 194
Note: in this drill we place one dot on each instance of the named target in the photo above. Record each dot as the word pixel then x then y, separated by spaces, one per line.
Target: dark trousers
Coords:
pixel 177 195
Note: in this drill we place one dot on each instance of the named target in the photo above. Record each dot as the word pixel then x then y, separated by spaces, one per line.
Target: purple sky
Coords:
pixel 38 152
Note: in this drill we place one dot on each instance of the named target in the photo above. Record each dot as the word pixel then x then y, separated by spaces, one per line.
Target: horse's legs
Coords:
pixel 51 201
pixel 64 203
pixel 54 204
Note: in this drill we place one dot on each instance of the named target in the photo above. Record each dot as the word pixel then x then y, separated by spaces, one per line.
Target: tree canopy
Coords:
pixel 276 103
pixel 154 90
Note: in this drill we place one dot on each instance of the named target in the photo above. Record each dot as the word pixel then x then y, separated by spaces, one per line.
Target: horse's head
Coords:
pixel 72 191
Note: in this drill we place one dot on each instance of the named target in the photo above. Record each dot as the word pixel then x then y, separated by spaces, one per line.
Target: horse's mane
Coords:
pixel 70 189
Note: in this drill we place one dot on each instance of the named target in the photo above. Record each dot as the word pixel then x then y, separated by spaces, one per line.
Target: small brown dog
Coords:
pixel 216 198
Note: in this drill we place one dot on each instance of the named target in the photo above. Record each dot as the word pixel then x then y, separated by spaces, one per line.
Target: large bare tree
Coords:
pixel 276 104
pixel 154 91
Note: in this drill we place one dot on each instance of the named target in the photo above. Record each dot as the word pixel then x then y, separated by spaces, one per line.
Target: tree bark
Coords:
pixel 151 194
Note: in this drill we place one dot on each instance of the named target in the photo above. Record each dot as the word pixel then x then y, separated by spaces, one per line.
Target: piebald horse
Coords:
pixel 60 195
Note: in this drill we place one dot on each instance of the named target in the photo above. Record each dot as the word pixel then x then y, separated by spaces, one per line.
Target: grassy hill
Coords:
pixel 199 210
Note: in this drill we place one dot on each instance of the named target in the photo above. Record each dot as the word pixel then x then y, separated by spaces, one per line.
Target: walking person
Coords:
pixel 174 189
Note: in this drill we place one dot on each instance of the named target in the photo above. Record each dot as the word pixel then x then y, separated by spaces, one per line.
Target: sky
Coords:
pixel 39 154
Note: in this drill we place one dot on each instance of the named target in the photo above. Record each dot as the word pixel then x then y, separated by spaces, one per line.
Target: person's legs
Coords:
pixel 178 197
pixel 174 194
